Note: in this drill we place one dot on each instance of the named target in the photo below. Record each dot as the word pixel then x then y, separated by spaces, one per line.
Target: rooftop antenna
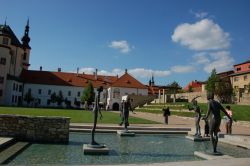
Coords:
pixel 5 21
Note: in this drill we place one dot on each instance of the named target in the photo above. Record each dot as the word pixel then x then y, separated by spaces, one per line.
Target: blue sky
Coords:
pixel 175 40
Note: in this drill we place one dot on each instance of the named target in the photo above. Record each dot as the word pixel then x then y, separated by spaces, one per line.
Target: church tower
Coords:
pixel 26 47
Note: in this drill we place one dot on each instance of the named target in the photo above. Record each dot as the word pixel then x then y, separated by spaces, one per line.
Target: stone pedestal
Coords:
pixel 198 139
pixel 95 149
pixel 211 156
pixel 125 133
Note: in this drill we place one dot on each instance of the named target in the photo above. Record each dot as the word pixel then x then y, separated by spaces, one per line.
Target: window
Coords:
pixel 116 93
pixel 5 41
pixel 1 80
pixel 20 88
pixel 1 92
pixel 245 77
pixel 39 101
pixel 3 61
pixel 13 99
pixel 48 102
pixel 69 93
pixel 39 91
pixel 238 69
pixel 236 79
pixel 24 56
pixel 14 86
pixel 79 94
pixel 49 92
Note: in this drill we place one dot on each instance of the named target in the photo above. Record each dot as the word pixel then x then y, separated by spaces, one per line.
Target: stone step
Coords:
pixel 238 138
pixel 133 128
pixel 5 141
pixel 211 156
pixel 135 131
pixel 12 151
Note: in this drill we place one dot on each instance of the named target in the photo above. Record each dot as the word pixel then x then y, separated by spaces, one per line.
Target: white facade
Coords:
pixel 42 94
pixel 115 95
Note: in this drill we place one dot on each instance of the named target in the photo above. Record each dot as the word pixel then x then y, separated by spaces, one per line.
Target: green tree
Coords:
pixel 190 89
pixel 59 98
pixel 174 88
pixel 224 91
pixel 28 97
pixel 53 97
pixel 88 94
pixel 211 82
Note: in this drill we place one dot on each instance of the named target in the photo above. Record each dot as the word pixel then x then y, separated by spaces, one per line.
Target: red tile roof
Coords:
pixel 127 81
pixel 79 80
pixel 194 84
pixel 65 79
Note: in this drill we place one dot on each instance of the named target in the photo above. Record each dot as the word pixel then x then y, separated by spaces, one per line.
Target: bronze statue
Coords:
pixel 197 111
pixel 214 109
pixel 126 107
pixel 96 109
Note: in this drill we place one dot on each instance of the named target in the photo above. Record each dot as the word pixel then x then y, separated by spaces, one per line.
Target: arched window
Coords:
pixel 116 93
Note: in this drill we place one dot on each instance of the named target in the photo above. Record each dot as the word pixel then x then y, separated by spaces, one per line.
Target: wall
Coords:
pixel 37 129
pixel 245 99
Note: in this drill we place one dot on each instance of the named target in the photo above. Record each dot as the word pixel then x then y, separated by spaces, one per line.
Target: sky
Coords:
pixel 173 40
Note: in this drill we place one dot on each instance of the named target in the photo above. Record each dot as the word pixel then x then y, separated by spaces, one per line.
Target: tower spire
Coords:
pixel 5 21
pixel 26 38
pixel 153 81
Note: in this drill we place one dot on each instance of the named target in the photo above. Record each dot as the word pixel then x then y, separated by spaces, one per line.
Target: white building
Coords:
pixel 16 81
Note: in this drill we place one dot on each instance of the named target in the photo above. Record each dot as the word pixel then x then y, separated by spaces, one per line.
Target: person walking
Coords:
pixel 166 113
pixel 229 122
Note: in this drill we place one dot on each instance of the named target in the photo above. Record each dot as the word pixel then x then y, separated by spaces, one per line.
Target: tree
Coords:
pixel 59 98
pixel 224 91
pixel 88 94
pixel 174 87
pixel 28 97
pixel 190 88
pixel 53 97
pixel 210 87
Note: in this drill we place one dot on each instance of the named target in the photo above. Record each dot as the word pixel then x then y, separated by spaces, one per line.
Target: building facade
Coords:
pixel 21 86
pixel 14 57
pixel 240 80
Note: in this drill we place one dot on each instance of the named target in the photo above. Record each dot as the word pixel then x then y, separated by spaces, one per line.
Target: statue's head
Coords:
pixel 100 89
pixel 210 95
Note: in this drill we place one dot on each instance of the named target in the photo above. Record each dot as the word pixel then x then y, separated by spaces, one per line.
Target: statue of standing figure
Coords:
pixel 214 109
pixel 125 108
pixel 197 111
pixel 96 110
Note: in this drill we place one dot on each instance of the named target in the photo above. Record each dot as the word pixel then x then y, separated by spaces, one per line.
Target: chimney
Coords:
pixel 59 69
pixel 77 71
pixel 41 68
pixel 126 71
pixel 83 73
pixel 96 74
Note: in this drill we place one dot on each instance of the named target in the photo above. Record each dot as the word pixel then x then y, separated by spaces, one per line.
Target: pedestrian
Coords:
pixel 166 113
pixel 229 122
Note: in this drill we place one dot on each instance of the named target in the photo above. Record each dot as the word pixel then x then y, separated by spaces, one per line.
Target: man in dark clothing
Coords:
pixel 126 107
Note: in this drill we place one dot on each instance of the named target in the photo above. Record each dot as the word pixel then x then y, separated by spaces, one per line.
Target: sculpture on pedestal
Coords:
pixel 214 109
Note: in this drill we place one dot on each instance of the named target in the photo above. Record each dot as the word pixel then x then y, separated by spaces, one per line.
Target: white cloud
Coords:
pixel 121 45
pixel 137 72
pixel 202 35
pixel 182 69
pixel 221 61
pixel 146 73
pixel 201 58
pixel 201 14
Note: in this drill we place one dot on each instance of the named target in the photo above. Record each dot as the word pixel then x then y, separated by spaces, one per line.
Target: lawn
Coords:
pixel 240 112
pixel 77 116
